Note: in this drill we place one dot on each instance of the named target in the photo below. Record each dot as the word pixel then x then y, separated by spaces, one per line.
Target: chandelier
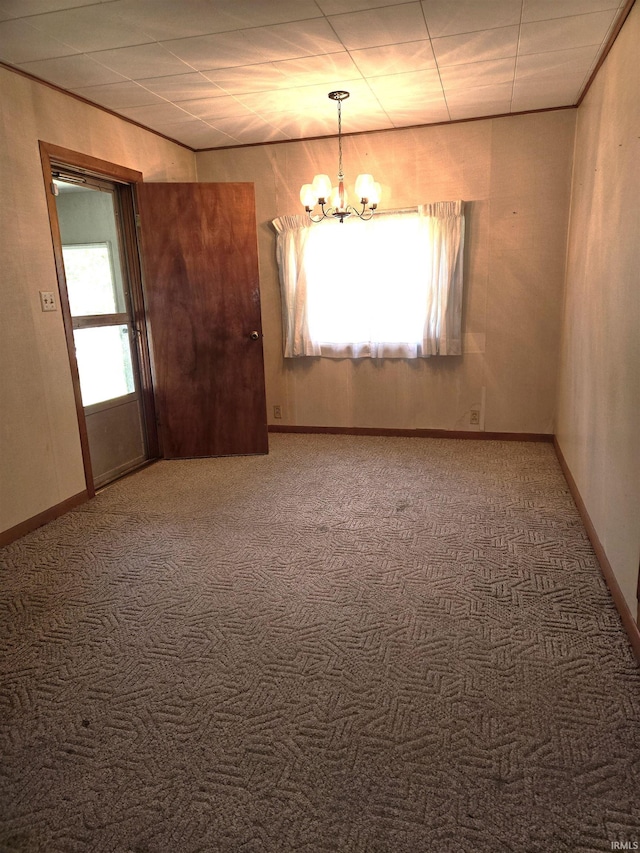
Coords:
pixel 334 202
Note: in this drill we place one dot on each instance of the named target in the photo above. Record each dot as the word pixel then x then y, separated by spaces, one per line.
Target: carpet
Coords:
pixel 351 645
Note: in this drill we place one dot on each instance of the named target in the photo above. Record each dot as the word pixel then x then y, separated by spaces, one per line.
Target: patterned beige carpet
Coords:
pixel 353 645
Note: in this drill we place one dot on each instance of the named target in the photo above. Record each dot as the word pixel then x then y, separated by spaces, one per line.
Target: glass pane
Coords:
pixel 90 279
pixel 104 363
pixel 381 290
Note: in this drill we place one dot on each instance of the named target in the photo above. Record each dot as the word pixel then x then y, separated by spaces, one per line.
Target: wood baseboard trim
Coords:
pixel 416 433
pixel 13 533
pixel 630 625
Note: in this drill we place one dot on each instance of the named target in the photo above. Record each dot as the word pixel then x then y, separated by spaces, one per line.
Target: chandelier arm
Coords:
pixel 366 213
pixel 324 214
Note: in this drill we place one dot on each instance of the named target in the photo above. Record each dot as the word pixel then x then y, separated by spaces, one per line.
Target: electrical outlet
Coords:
pixel 48 300
pixel 277 411
pixel 474 417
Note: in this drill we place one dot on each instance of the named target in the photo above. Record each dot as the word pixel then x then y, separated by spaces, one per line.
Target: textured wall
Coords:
pixel 515 173
pixel 40 459
pixel 599 396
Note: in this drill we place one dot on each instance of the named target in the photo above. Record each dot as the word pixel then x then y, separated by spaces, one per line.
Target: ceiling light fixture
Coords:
pixel 320 191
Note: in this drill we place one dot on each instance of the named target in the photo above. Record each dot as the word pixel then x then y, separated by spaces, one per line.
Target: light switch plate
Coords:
pixel 48 300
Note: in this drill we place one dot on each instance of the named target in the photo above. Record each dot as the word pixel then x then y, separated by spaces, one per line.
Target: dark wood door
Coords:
pixel 200 262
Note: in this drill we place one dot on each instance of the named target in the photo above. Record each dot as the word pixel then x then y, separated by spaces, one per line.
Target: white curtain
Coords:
pixel 387 288
pixel 443 224
pixel 293 232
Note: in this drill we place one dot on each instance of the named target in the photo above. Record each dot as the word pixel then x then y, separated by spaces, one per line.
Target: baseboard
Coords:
pixel 416 433
pixel 13 533
pixel 630 625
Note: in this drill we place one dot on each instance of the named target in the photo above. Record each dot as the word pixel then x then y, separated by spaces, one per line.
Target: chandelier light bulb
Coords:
pixel 364 184
pixel 308 197
pixel 321 188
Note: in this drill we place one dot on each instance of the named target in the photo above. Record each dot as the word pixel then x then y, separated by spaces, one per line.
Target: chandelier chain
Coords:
pixel 340 172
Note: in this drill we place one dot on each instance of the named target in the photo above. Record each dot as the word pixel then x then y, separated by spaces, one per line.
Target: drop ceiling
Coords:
pixel 217 73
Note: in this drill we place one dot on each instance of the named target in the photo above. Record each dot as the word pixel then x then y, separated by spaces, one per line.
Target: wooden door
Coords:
pixel 200 263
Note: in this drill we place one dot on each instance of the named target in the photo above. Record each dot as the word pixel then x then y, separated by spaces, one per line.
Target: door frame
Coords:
pixel 53 156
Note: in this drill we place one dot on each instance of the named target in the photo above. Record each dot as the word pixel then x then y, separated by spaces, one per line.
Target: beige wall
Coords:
pixel 599 396
pixel 40 459
pixel 515 175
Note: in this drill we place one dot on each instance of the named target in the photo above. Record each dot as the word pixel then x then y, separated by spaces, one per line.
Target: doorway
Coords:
pixel 99 295
pixel 198 250
pixel 91 214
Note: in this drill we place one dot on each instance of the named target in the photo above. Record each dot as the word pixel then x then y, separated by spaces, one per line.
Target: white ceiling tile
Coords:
pixel 181 87
pixel 248 129
pixel 211 109
pixel 164 19
pixel 496 97
pixel 446 18
pixel 540 10
pixel 310 71
pixel 407 91
pixel 168 19
pixel 337 7
pixel 20 42
pixel 191 131
pixel 531 95
pixel 388 25
pixel 307 124
pixel 199 135
pixel 554 65
pixel 224 50
pixel 314 101
pixel 299 126
pixel 394 58
pixel 478 74
pixel 90 28
pixel 155 115
pixel 261 77
pixel 118 95
pixel 461 111
pixel 24 8
pixel 257 13
pixel 275 100
pixel 560 33
pixel 477 46
pixel 480 94
pixel 331 71
pixel 70 72
pixel 428 113
pixel 146 60
pixel 292 41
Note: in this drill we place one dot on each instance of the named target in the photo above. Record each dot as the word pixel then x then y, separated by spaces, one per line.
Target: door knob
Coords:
pixel 254 336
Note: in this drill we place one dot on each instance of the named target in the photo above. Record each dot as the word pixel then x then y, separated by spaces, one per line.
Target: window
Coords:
pixel 91 282
pixel 387 288
pixel 100 323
